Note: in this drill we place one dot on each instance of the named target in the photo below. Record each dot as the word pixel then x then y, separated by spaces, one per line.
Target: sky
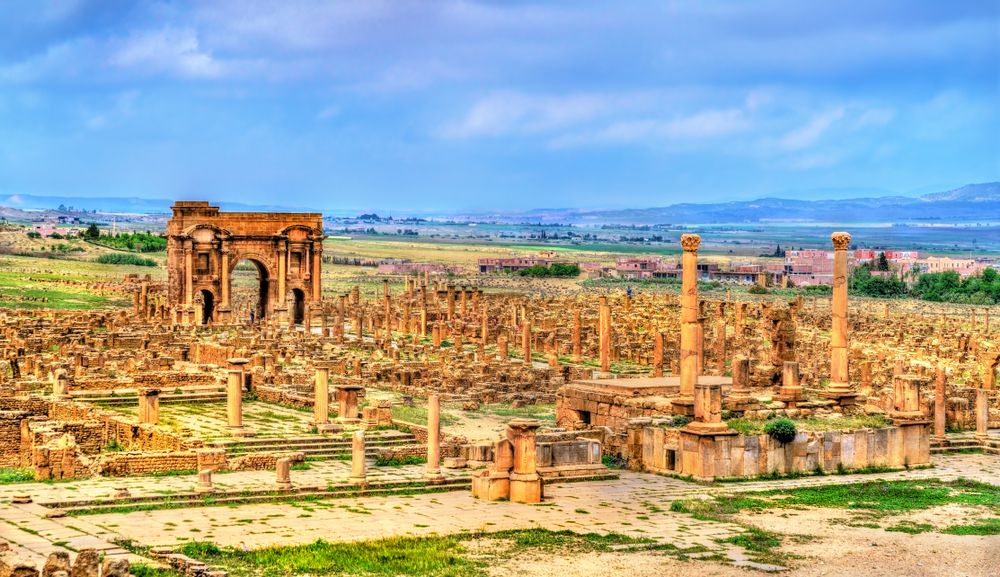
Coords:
pixel 461 105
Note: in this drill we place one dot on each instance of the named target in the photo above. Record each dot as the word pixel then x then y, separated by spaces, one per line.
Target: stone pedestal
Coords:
pixel 347 398
pixel 982 414
pixel 149 406
pixel 790 391
pixel 906 397
pixel 707 410
pixel 283 468
pixel 525 484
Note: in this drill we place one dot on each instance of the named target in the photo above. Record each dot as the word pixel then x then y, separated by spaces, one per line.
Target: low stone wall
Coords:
pixel 403 452
pixel 145 463
pixel 263 461
pixel 677 451
pixel 281 396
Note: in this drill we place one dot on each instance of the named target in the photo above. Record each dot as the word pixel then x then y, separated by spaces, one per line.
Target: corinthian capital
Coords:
pixel 841 240
pixel 690 242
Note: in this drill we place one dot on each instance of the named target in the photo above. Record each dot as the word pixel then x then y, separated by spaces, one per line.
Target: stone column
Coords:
pixel 317 272
pixel 689 320
pixel 604 328
pixel 526 341
pixel 280 305
pixel 358 465
pixel 225 280
pixel 144 301
pixel 982 414
pixel 321 402
pixel 149 406
pixel 708 409
pixel 939 405
pixel 525 484
pixel 283 470
pixel 234 399
pixel 741 379
pixel 790 390
pixel 720 343
pixel 658 354
pixel 433 471
pixel 839 379
pixel 577 347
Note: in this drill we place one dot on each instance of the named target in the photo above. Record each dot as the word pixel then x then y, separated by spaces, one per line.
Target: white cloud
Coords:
pixel 508 113
pixel 171 50
pixel 808 134
pixel 705 124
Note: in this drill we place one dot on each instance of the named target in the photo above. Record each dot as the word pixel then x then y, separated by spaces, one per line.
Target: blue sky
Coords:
pixel 480 105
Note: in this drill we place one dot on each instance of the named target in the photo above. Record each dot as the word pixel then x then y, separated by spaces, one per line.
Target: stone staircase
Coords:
pixel 126 397
pixel 966 442
pixel 316 447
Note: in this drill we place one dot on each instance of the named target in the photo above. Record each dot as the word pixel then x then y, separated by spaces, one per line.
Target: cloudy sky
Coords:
pixel 506 104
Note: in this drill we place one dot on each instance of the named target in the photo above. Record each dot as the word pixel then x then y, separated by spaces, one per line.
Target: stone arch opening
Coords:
pixel 204 245
pixel 298 306
pixel 207 306
pixel 250 285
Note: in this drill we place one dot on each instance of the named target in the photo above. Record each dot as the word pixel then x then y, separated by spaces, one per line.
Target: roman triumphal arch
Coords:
pixel 204 245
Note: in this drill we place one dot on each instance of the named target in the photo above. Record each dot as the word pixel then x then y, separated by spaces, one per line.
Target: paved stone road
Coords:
pixel 637 504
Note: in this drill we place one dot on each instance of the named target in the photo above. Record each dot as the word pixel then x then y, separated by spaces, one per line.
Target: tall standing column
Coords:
pixel 577 348
pixel 526 341
pixel 234 399
pixel 188 283
pixel 689 316
pixel 604 326
pixel 839 381
pixel 321 402
pixel 658 354
pixel 317 271
pixel 939 405
pixel 359 468
pixel 280 305
pixel 433 471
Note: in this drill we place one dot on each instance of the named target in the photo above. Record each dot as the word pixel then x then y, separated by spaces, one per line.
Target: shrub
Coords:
pixel 781 430
pixel 116 258
pixel 757 290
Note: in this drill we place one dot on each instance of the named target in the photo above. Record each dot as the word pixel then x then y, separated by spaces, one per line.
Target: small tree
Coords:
pixel 92 231
pixel 883 262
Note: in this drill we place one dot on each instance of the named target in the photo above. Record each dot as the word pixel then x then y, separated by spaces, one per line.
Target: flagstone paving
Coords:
pixel 637 504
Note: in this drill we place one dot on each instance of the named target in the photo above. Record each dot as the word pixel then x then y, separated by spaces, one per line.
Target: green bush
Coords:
pixel 781 430
pixel 557 270
pixel 757 290
pixel 131 259
pixel 134 241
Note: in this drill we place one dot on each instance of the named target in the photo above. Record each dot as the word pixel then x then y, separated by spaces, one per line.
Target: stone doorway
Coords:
pixel 207 307
pixel 251 285
pixel 298 307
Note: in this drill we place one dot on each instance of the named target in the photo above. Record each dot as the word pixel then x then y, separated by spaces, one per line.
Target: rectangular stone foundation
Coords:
pixel 720 456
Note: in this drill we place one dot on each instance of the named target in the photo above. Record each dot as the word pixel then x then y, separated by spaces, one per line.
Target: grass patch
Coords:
pixel 418 415
pixel 989 526
pixel 11 476
pixel 546 412
pixel 910 527
pixel 761 546
pixel 852 423
pixel 399 461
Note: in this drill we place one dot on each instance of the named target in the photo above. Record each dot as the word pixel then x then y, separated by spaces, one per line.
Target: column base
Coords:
pixel 241 432
pixel 840 392
pixel 682 406
pixel 225 315
pixel 284 486
pixel 525 488
pixel 328 428
pixel 434 477
pixel 360 481
pixel 491 486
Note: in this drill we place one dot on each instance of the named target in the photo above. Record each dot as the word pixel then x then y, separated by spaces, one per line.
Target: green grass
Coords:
pixel 990 526
pixel 910 527
pixel 761 546
pixel 418 415
pixel 545 412
pixel 429 556
pixel 756 426
pixel 400 461
pixel 397 556
pixel 11 476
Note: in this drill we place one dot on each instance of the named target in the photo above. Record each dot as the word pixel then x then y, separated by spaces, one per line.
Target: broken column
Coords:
pixel 940 425
pixel 525 483
pixel 358 465
pixel 982 413
pixel 149 406
pixel 283 468
pixel 347 397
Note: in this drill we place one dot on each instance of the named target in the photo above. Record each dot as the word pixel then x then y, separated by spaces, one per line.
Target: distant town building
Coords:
pixel 514 264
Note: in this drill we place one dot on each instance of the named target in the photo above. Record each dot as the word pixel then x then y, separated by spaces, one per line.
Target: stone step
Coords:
pixel 153 502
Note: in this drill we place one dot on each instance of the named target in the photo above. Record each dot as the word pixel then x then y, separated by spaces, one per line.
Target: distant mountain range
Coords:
pixel 973 202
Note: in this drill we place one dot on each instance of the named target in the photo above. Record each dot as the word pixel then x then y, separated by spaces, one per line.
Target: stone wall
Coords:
pixel 145 463
pixel 677 451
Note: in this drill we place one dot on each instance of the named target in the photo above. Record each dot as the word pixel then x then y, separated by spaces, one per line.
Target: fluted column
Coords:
pixel 689 315
pixel 839 380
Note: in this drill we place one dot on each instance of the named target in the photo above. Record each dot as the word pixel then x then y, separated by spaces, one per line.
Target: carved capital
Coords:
pixel 841 240
pixel 690 242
